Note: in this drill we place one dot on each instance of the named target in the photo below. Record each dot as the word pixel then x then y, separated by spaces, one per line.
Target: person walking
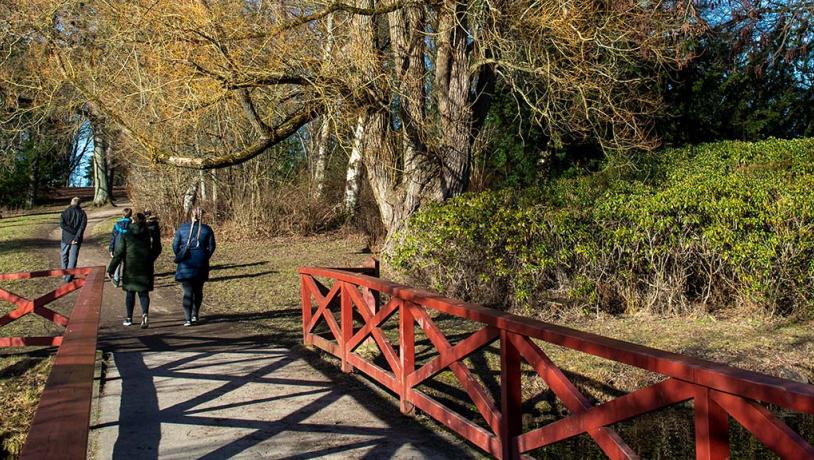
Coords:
pixel 119 228
pixel 72 222
pixel 155 232
pixel 134 251
pixel 193 245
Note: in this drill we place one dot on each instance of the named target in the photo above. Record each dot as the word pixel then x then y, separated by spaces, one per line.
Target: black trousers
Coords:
pixel 130 302
pixel 193 296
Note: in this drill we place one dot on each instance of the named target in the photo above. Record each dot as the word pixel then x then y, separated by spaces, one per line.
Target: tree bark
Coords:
pixel 353 178
pixel 33 180
pixel 191 196
pixel 321 160
pixel 101 182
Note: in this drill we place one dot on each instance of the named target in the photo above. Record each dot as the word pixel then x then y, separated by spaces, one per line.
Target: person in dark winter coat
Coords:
pixel 73 222
pixel 119 228
pixel 193 245
pixel 133 249
pixel 155 232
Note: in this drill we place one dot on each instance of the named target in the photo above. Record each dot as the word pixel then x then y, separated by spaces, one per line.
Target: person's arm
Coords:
pixel 83 222
pixel 112 240
pixel 62 224
pixel 118 255
pixel 155 242
pixel 176 241
pixel 210 247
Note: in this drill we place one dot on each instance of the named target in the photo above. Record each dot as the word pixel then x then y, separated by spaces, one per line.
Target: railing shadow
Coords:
pixel 272 396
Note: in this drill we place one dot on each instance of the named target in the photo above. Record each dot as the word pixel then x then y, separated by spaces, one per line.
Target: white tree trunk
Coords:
pixel 191 196
pixel 321 160
pixel 353 178
pixel 101 183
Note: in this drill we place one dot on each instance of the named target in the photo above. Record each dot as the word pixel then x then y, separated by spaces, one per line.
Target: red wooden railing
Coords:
pixel 718 391
pixel 60 425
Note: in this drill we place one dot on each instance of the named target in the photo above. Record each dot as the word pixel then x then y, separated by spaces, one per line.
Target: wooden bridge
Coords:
pixel 347 310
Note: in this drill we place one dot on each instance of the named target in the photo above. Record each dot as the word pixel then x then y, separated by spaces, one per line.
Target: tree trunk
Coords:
pixel 191 196
pixel 101 183
pixel 33 180
pixel 321 159
pixel 353 178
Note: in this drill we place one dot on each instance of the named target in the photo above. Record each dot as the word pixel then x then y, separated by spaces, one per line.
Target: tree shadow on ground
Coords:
pixel 217 267
pixel 307 415
pixel 28 244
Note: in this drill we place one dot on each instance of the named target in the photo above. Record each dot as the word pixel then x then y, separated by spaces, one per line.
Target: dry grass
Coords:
pixel 23 242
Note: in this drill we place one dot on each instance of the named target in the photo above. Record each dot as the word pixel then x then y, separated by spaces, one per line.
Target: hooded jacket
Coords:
pixel 134 250
pixel 196 266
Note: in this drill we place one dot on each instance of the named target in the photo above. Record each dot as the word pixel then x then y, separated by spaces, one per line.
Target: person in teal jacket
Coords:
pixel 119 228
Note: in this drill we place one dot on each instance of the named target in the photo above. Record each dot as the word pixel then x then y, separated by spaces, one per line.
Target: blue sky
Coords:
pixel 82 147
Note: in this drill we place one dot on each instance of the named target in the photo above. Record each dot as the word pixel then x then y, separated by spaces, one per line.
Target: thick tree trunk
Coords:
pixel 101 182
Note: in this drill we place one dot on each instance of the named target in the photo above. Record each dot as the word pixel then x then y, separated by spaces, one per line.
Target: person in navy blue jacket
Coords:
pixel 193 245
pixel 119 229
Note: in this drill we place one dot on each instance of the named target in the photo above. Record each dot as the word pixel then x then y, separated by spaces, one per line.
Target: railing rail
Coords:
pixel 718 391
pixel 60 425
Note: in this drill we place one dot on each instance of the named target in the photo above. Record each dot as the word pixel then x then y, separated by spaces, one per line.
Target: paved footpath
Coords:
pixel 213 392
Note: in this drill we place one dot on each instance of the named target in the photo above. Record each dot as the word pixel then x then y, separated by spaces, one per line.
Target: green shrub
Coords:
pixel 710 226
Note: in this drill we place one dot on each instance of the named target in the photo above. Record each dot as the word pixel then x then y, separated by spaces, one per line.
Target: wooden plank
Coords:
pixel 511 397
pixel 455 422
pixel 378 374
pixel 480 397
pixel 22 310
pixel 711 427
pixel 462 349
pixel 60 425
pixel 607 438
pixel 763 425
pixel 406 355
pixel 648 399
pixel 380 317
pixel 326 345
pixel 82 271
pixel 387 350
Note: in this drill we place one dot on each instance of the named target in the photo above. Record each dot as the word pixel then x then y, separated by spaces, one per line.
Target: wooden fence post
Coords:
pixel 406 354
pixel 511 398
pixel 306 312
pixel 346 317
pixel 711 427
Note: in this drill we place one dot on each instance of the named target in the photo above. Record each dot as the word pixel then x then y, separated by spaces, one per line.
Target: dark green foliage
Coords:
pixel 712 226
pixel 750 80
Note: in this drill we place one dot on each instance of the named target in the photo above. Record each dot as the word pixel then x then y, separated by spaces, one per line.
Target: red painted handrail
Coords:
pixel 718 391
pixel 60 425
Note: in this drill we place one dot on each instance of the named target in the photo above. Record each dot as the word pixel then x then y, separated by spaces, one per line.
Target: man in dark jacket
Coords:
pixel 73 223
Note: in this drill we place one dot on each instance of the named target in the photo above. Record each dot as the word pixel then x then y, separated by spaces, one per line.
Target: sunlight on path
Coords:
pixel 259 403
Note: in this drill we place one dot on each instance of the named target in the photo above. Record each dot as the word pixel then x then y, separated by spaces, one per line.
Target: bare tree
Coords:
pixel 200 84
